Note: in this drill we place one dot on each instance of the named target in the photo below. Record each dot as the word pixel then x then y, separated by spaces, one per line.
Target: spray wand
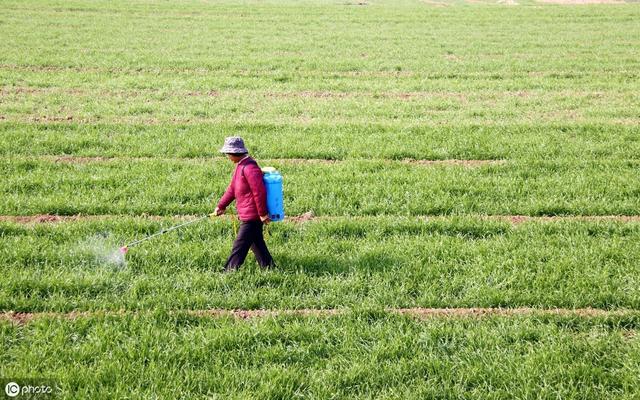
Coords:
pixel 124 249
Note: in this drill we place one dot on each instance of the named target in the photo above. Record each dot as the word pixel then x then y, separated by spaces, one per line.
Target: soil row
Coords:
pixel 437 119
pixel 253 73
pixel 70 159
pixel 421 313
pixel 310 217
pixel 318 94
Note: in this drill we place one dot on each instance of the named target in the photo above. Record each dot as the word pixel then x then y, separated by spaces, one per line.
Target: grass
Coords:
pixel 346 100
pixel 306 107
pixel 523 141
pixel 379 261
pixel 363 187
pixel 289 357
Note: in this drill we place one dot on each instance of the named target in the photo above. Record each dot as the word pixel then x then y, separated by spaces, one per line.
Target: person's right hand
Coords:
pixel 218 211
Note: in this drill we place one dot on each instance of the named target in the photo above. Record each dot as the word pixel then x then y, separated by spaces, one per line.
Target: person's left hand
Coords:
pixel 265 219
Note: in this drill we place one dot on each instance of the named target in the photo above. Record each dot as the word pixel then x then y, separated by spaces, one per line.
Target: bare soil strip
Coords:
pixel 71 159
pixel 518 219
pixel 301 120
pixel 164 95
pixel 47 218
pixel 311 94
pixel 421 313
pixel 319 94
pixel 578 2
pixel 308 216
pixel 464 163
pixel 252 73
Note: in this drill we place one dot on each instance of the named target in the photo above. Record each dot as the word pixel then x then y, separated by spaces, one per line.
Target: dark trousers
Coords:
pixel 249 237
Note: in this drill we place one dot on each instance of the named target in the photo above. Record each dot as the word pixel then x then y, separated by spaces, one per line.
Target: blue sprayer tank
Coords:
pixel 275 197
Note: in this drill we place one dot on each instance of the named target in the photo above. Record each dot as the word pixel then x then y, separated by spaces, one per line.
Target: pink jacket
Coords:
pixel 247 188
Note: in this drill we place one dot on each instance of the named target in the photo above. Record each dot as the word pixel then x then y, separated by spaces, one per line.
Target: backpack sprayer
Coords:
pixel 275 207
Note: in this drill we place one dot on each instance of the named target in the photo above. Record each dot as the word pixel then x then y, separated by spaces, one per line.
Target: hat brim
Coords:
pixel 233 150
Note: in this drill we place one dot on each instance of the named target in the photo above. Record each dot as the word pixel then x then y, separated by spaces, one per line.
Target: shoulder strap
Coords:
pixel 245 166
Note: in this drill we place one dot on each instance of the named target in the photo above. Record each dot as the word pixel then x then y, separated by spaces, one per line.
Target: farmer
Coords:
pixel 248 189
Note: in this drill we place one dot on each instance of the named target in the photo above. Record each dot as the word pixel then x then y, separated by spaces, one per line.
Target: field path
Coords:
pixel 70 159
pixel 473 312
pixel 306 217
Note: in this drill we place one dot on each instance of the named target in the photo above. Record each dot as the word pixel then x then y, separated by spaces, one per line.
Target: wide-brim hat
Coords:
pixel 234 144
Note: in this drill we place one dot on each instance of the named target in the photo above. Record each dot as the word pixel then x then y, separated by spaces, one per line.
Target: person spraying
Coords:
pixel 247 188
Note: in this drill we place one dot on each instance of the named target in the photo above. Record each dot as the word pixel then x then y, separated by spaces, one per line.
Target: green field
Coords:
pixel 414 133
pixel 364 355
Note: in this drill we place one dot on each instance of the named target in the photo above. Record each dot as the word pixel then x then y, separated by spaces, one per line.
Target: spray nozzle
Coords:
pixel 124 249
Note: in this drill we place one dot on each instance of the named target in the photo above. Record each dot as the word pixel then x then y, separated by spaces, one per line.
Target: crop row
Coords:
pixel 380 261
pixel 254 106
pixel 361 187
pixel 444 77
pixel 328 140
pixel 185 356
